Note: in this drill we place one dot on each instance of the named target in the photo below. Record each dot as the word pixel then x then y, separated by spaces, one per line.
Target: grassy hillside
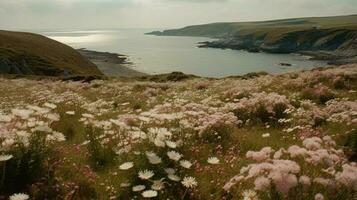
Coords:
pixel 273 28
pixel 32 54
pixel 336 36
pixel 268 137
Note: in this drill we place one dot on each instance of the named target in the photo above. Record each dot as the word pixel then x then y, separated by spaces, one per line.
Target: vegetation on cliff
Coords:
pixel 32 54
pixel 289 136
pixel 336 36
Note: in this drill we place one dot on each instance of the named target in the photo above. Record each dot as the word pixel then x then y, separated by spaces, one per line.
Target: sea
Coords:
pixel 164 54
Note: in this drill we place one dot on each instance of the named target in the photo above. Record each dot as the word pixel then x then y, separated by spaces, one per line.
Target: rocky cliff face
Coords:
pixel 309 40
pixel 23 66
pixel 333 45
pixel 322 37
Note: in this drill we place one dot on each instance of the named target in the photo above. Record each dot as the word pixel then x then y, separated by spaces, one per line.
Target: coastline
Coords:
pixel 111 64
pixel 331 57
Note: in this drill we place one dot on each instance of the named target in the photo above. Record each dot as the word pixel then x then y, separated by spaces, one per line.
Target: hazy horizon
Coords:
pixel 105 14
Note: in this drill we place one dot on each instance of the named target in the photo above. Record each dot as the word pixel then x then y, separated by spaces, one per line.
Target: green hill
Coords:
pixel 273 28
pixel 32 54
pixel 336 35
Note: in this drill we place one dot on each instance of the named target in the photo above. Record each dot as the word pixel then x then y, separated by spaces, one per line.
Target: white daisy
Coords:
pixel 185 164
pixel 159 143
pixel 50 105
pixel 87 115
pixel 138 188
pixel 22 113
pixel 170 170
pixel 126 166
pixel 146 174
pixel 153 158
pixel 266 135
pixel 213 160
pixel 250 195
pixel 19 196
pixel 158 185
pixel 171 144
pixel 173 155
pixel 149 194
pixel 70 113
pixel 5 157
pixel 189 182
pixel 173 177
pixel 124 185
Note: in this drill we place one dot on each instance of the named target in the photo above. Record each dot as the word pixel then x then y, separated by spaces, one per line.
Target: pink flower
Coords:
pixel 261 155
pixel 262 183
pixel 232 182
pixel 283 182
pixel 305 180
pixel 319 196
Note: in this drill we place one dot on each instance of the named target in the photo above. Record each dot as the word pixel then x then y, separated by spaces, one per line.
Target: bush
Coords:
pixel 351 143
pixel 26 167
pixel 320 94
pixel 219 134
pixel 279 111
pixel 262 115
pixel 99 155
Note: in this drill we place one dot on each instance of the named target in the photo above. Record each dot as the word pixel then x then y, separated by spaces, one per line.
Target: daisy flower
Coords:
pixel 250 195
pixel 171 144
pixel 173 177
pixel 126 166
pixel 173 155
pixel 170 170
pixel 153 158
pixel 5 157
pixel 158 185
pixel 213 160
pixel 19 196
pixel 70 113
pixel 149 194
pixel 138 188
pixel 146 174
pixel 189 182
pixel 185 164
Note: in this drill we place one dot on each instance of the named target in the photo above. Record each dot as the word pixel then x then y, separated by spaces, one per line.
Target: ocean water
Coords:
pixel 163 54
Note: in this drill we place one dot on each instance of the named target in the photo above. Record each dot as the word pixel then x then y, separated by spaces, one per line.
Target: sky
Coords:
pixel 101 14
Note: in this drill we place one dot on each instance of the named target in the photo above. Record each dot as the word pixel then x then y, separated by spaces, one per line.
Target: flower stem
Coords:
pixel 3 175
pixel 184 194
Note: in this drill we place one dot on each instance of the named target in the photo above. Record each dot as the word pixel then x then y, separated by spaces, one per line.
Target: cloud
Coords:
pixel 16 14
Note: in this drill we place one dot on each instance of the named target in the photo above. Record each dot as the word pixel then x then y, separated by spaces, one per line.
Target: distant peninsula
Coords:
pixel 324 38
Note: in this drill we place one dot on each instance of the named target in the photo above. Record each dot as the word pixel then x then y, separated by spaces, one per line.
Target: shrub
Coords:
pixel 339 83
pixel 320 94
pixel 351 143
pixel 99 155
pixel 217 134
pixel 27 165
pixel 203 85
pixel 279 111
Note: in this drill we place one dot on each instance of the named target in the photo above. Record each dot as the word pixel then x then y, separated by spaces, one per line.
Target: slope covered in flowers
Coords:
pixel 289 136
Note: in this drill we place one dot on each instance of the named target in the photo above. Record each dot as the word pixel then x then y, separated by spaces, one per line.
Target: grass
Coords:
pixel 43 56
pixel 273 29
pixel 86 165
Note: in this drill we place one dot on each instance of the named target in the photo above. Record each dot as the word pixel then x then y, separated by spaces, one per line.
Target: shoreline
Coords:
pixel 331 57
pixel 111 64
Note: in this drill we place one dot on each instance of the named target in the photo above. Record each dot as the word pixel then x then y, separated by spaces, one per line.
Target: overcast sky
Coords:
pixel 92 14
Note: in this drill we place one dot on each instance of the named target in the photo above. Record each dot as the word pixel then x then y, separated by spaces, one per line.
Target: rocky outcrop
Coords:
pixel 334 44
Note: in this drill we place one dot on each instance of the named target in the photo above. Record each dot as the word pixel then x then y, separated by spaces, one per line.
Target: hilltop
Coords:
pixel 33 54
pixel 332 38
pixel 289 136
